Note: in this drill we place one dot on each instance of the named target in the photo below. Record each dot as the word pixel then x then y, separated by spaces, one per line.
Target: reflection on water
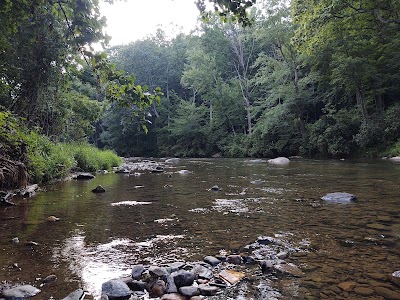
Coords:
pixel 173 217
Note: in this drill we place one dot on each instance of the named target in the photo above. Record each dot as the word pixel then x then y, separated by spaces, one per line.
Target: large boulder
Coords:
pixel 339 197
pixel 116 289
pixel 281 161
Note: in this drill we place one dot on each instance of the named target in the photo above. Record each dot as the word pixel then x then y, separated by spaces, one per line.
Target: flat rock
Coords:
pixel 173 296
pixel 339 197
pixel 395 158
pixel 289 269
pixel 158 271
pixel 212 260
pixel 231 276
pixel 347 286
pixel 363 291
pixel 84 176
pixel 137 271
pixel 386 293
pixel 173 160
pixel 189 291
pixel 207 290
pixel 23 291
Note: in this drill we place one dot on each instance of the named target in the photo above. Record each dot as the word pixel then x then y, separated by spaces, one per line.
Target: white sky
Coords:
pixel 132 20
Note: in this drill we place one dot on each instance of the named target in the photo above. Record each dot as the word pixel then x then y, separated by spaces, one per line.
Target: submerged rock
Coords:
pixel 99 189
pixel 339 197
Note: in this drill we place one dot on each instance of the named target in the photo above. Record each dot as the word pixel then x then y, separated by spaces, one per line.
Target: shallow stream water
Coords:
pixel 166 217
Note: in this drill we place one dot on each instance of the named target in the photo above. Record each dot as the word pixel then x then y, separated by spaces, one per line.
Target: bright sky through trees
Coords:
pixel 132 20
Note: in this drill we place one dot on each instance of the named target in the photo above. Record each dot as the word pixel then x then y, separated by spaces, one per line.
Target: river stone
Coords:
pixel 279 161
pixel 116 289
pixel 157 288
pixel 183 172
pixel 207 290
pixel 234 259
pixel 347 286
pixel 84 176
pixel 23 291
pixel 171 286
pixel 395 158
pixel 386 293
pixel 339 197
pixel 173 160
pixel 99 189
pixel 137 285
pixel 363 291
pixel 175 266
pixel 173 296
pixel 396 277
pixel 231 276
pixel 158 271
pixel 212 260
pixel 76 295
pixel 202 272
pixel 137 271
pixel 215 188
pixel 189 291
pixel 183 278
pixel 267 266
pixel 289 269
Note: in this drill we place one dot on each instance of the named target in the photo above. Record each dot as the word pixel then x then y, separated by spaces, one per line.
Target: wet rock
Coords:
pixel 183 172
pixel 156 271
pixel 212 260
pixel 23 291
pixel 189 291
pixel 76 295
pixel 183 278
pixel 395 158
pixel 175 266
pixel 202 272
pixel 137 271
pixel 122 171
pixel 157 169
pixel 29 191
pixel 99 189
pixel 347 286
pixel 84 176
pixel 171 286
pixel 173 160
pixel 386 293
pixel 363 291
pixel 279 161
pixel 137 285
pixel 339 197
pixel 207 290
pixel 396 277
pixel 157 288
pixel 15 240
pixel 215 188
pixel 266 240
pixel 234 259
pixel 173 296
pixel 231 276
pixel 49 279
pixel 289 269
pixel 52 219
pixel 267 266
pixel 116 289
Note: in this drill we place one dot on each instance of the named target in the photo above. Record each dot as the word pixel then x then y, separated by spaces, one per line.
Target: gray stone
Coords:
pixel 157 288
pixel 173 160
pixel 76 295
pixel 202 272
pixel 289 269
pixel 171 286
pixel 137 271
pixel 23 291
pixel 212 260
pixel 207 290
pixel 84 176
pixel 234 259
pixel 189 291
pixel 339 197
pixel 183 278
pixel 158 271
pixel 137 285
pixel 116 289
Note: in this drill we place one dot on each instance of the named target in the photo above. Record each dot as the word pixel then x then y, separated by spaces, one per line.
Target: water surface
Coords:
pixel 165 217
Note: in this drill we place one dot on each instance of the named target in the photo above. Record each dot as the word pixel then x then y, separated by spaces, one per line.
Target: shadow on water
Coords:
pixel 170 216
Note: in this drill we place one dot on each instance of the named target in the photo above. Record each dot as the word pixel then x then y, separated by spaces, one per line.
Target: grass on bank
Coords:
pixel 49 161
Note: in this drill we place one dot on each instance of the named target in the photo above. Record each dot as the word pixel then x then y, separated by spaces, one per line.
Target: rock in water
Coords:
pixel 99 189
pixel 279 161
pixel 76 295
pixel 173 160
pixel 84 176
pixel 116 289
pixel 183 278
pixel 23 291
pixel 339 197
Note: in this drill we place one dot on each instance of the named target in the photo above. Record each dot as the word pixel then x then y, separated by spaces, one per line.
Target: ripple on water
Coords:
pixel 96 264
pixel 130 203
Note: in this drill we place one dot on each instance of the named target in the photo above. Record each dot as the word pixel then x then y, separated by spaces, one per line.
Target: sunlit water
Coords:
pixel 166 217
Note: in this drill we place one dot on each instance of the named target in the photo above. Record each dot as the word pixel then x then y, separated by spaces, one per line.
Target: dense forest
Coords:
pixel 317 79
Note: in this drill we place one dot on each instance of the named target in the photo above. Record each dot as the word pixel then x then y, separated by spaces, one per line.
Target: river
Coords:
pixel 165 217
